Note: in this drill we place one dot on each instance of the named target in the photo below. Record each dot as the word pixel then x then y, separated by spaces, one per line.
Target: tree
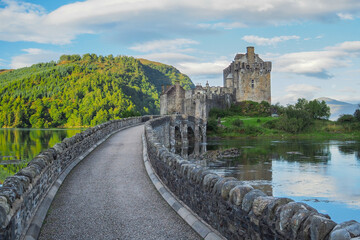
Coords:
pixel 357 114
pixel 318 110
pixel 294 120
pixel 346 118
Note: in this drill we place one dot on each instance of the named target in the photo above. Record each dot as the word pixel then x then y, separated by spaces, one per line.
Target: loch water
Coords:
pixel 322 174
pixel 19 146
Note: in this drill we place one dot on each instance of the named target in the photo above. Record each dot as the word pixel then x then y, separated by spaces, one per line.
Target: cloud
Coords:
pixel 32 56
pixel 345 16
pixel 163 45
pixel 21 21
pixel 168 57
pixel 203 68
pixel 318 64
pixel 224 25
pixel 295 91
pixel 268 41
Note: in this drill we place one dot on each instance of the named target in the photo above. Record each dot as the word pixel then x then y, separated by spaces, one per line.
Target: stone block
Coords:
pixel 249 199
pixel 345 230
pixel 320 226
pixel 238 193
pixel 200 175
pixel 185 168
pixel 209 181
pixel 219 184
pixel 9 193
pixel 260 204
pixel 286 212
pixel 59 148
pixel 226 188
pixel 16 184
pixel 5 205
pixel 40 162
pixel 3 217
pixel 299 226
pixel 31 172
pixel 194 172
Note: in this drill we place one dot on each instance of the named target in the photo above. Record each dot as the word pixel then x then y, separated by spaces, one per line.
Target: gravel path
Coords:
pixel 109 196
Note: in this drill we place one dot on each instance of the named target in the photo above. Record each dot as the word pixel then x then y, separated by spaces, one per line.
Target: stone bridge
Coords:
pixel 183 135
pixel 100 185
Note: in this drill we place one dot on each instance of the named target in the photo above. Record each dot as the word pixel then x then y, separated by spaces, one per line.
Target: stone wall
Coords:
pixel 21 194
pixel 237 210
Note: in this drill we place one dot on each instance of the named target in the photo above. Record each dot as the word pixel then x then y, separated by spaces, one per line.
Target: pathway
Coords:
pixel 109 196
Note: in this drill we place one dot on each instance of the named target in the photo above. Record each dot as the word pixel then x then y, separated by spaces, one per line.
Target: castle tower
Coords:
pixel 250 76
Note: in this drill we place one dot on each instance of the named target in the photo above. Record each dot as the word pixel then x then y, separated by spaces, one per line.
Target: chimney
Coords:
pixel 250 55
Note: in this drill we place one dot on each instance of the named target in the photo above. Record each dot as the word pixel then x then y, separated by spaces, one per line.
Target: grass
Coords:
pixel 243 126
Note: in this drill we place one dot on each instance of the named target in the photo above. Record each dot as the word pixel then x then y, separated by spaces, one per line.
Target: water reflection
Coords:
pixel 325 174
pixel 18 146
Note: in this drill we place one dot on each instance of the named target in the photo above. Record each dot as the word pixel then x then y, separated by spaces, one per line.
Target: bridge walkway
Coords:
pixel 109 196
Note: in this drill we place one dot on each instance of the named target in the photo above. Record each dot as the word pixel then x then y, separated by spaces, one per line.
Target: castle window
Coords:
pixel 252 83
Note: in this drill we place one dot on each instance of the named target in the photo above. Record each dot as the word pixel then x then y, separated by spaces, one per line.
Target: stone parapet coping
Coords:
pixel 191 218
pixel 33 231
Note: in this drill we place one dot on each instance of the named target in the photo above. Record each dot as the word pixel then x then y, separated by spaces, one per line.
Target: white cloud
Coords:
pixel 268 41
pixel 318 63
pixel 22 21
pixel 163 45
pixel 168 57
pixel 295 91
pixel 203 68
pixel 345 16
pixel 32 56
pixel 224 25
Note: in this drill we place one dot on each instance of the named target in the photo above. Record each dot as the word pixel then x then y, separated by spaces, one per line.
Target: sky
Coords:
pixel 314 45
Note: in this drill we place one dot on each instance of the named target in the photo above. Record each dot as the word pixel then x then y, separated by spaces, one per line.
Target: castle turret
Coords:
pixel 249 76
pixel 229 81
pixel 250 55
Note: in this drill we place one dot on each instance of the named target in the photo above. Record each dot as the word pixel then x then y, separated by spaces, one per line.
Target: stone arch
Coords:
pixel 178 140
pixel 191 140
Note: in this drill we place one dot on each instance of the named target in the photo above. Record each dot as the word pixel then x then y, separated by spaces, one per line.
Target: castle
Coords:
pixel 246 78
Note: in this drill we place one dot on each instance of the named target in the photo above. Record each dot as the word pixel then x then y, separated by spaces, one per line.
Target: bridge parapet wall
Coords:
pixel 237 210
pixel 21 194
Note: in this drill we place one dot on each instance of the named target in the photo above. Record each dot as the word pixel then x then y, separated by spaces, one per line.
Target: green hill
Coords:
pixel 83 91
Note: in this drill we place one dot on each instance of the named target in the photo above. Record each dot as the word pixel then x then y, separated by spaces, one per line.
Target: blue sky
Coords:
pixel 314 44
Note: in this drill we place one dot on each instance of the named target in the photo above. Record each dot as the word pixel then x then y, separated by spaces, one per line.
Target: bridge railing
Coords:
pixel 21 194
pixel 235 209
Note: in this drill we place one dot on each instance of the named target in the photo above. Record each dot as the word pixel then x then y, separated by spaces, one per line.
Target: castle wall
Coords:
pixel 254 86
pixel 172 100
pixel 163 104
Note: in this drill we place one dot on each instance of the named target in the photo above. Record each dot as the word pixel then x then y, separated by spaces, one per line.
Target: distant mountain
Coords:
pixel 83 90
pixel 338 108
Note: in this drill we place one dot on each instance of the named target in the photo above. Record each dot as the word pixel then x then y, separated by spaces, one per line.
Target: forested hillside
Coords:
pixel 83 91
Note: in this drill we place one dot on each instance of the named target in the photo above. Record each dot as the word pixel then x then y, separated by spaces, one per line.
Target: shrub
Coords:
pixel 217 112
pixel 253 130
pixel 294 120
pixel 238 123
pixel 271 124
pixel 212 125
pixel 357 114
pixel 346 118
